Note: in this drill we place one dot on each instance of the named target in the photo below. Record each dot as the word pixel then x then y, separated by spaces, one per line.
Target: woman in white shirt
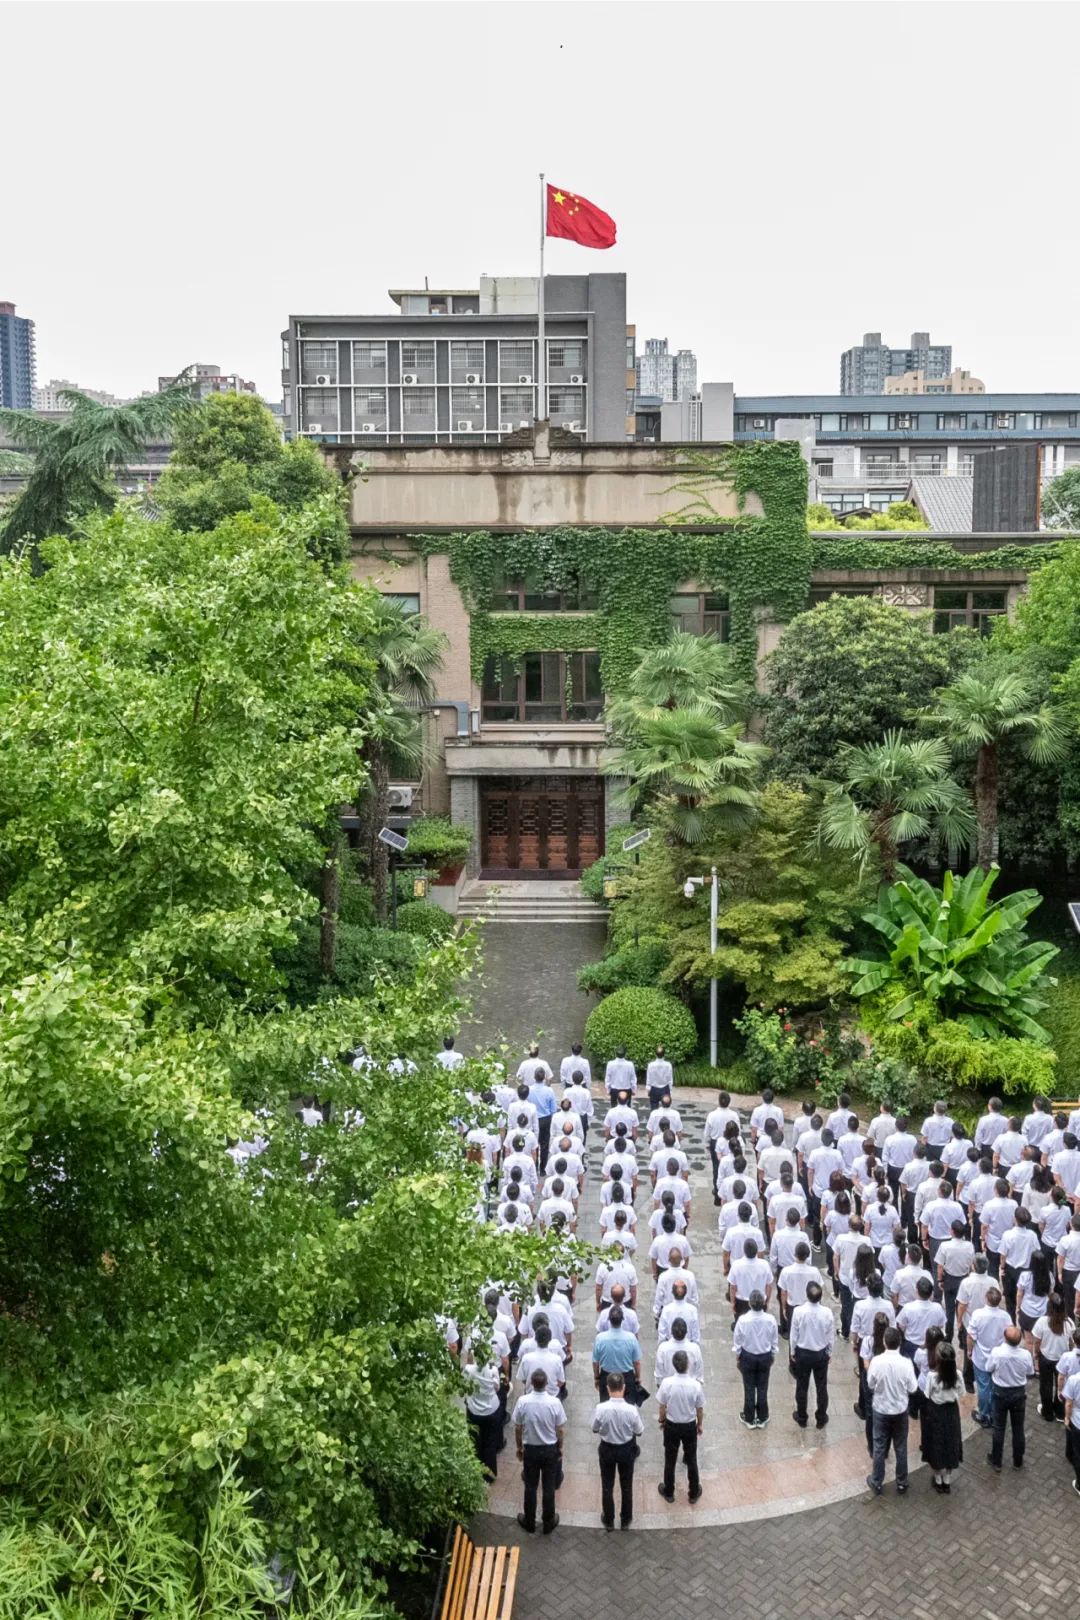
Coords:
pixel 942 1442
pixel 1036 1194
pixel 1033 1289
pixel 873 1344
pixel 1054 1223
pixel 835 1220
pixel 1052 1336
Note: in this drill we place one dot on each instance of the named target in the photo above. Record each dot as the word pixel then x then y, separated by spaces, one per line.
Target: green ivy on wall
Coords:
pixel 859 552
pixel 762 562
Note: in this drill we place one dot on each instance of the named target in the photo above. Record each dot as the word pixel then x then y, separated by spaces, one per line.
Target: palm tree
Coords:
pixel 687 671
pixel 75 461
pixel 708 768
pixel 891 792
pixel 976 714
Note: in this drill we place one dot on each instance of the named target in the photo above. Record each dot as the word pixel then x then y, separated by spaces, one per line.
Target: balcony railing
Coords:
pixel 895 472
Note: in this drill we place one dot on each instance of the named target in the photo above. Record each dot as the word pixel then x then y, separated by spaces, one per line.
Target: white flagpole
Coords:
pixel 541 375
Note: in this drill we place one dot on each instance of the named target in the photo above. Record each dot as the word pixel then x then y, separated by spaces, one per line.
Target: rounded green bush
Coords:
pixel 430 922
pixel 640 1018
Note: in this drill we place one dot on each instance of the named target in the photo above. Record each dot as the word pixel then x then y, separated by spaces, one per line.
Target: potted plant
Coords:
pixel 441 845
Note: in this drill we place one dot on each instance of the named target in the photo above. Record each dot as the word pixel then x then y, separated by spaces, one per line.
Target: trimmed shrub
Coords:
pixel 440 841
pixel 631 964
pixel 640 1018
pixel 430 922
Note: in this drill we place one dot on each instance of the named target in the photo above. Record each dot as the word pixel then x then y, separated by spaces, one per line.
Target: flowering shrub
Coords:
pixel 784 1057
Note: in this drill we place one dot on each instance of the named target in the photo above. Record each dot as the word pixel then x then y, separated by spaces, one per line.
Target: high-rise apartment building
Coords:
pixel 864 368
pixel 208 379
pixel 17 362
pixel 665 376
pixel 462 364
pixel 47 397
pixel 917 382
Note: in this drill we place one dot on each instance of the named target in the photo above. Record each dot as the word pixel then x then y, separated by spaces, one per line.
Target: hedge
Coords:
pixel 641 1019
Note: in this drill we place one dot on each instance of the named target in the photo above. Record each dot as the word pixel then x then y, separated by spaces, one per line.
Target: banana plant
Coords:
pixel 967 956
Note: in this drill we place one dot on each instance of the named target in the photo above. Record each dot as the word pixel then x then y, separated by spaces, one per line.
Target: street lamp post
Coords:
pixel 689 886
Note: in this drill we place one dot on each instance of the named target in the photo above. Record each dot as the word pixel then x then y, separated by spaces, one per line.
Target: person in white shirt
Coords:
pixel 840 1119
pixel 681 1402
pixel 891 1381
pixel 849 1144
pixel 716 1121
pixel 1068 1263
pixel 767 1110
pixel 990 1125
pixel 545 1354
pixel 756 1340
pixel 667 1151
pixel 906 1279
pixel 785 1244
pixel 483 1409
pixel 614 1268
pixel 679 1307
pixel 1070 1395
pixel 1039 1122
pixel 659 1077
pixel 665 1117
pixel 631 1321
pixel 819 1166
pixel 773 1157
pixel 880 1219
pixel 519 1159
pixel 539 1426
pixel 526 1072
pixel 985 1329
pixel 675 1272
pixel 1051 1338
pixel 619 1424
pixel 448 1058
pixel 1010 1366
pixel 666 1206
pixel 736 1237
pixel 621 1113
pixel 1018 1243
pixel 1009 1146
pixel 748 1276
pixel 792 1283
pixel 916 1318
pixel 620 1074
pixel 665 1353
pixel 1065 1165
pixel 952 1263
pixel 557 1204
pixel 573 1066
pixel 811 1338
pixel 937 1128
pixel 897 1150
pixel 673 1182
pixel 787 1196
pixel 937 1218
pixel 971 1297
pixel 578 1095
pixel 881 1127
pixel 995 1219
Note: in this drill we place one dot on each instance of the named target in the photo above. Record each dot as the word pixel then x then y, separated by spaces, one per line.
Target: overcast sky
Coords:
pixel 178 178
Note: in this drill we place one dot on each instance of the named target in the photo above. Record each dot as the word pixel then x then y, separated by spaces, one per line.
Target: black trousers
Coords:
pixel 1008 1406
pixel 812 1364
pixel 540 1469
pixel 755 1371
pixel 487 1438
pixel 847 1306
pixel 1009 1282
pixel 656 1096
pixel 950 1287
pixel 1051 1407
pixel 617 1460
pixel 686 1436
pixel 543 1131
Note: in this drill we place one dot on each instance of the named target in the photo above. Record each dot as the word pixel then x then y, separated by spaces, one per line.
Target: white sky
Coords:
pixel 177 178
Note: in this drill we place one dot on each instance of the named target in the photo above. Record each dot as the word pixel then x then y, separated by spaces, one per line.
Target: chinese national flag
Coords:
pixel 578 219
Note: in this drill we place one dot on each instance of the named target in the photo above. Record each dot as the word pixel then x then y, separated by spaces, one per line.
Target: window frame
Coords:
pixel 702 613
pixel 572 669
pixel 971 615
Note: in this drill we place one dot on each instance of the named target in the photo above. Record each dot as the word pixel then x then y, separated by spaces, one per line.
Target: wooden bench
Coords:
pixel 480 1581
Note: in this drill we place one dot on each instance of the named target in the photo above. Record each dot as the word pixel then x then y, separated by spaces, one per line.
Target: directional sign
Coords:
pixel 1074 913
pixel 637 839
pixel 388 836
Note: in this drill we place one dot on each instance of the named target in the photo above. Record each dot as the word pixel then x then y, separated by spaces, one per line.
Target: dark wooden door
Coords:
pixel 541 826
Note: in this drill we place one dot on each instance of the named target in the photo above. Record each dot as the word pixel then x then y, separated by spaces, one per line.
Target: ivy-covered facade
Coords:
pixel 550 564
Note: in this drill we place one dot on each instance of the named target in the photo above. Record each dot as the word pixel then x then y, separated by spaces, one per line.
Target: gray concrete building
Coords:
pixel 462 365
pixel 664 376
pixel 864 368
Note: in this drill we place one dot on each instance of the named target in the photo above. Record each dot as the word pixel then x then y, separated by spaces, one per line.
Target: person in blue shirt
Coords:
pixel 545 1102
pixel 616 1351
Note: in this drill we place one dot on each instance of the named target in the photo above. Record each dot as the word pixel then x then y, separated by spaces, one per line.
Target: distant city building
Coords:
pixel 17 361
pixel 209 380
pixel 664 376
pixel 461 365
pixel 47 397
pixel 917 382
pixel 864 368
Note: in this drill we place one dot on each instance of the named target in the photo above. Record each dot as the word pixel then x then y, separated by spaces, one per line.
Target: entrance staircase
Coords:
pixel 522 901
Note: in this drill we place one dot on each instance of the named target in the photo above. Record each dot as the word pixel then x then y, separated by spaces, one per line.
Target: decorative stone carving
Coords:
pixel 906 596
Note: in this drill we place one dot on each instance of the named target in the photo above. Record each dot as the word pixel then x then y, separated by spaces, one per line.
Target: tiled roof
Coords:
pixel 945 503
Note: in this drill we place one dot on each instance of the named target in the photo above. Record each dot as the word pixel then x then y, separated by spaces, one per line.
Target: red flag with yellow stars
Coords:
pixel 578 219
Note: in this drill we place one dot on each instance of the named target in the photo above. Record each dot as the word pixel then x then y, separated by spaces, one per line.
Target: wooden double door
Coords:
pixel 540 826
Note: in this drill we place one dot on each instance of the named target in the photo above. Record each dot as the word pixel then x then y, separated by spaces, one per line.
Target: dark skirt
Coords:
pixel 942 1445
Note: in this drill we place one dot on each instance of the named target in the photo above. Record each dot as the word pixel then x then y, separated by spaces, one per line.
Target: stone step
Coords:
pixel 531 911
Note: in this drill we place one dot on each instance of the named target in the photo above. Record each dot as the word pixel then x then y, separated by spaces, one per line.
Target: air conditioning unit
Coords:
pixel 574 427
pixel 322 381
pixel 473 377
pixel 314 427
pixel 525 424
pixel 400 798
pixel 524 377
pixel 409 378
pixel 506 427
pixel 758 422
pixel 577 377
pixel 464 427
pixel 367 427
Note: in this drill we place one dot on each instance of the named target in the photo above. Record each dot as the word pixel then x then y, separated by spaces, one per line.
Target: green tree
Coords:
pixel 975 715
pixel 891 793
pixel 686 671
pixel 845 673
pixel 76 460
pixel 228 453
pixel 1061 501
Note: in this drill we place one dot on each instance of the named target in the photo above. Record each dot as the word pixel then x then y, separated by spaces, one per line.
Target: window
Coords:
pixel 285 361
pixel 466 361
pixel 516 360
pixel 858 423
pixel 830 422
pixel 318 360
pixel 369 407
pixel 566 405
pixel 467 405
pixel 407 601
pixel 417 409
pixel 536 595
pixel 318 410
pixel 547 688
pixel 702 613
pixel 927 461
pixel 369 361
pixel 824 593
pixel 952 422
pixel 418 360
pixel 1055 419
pixel 823 469
pixel 516 408
pixel 566 356
pixel 974 609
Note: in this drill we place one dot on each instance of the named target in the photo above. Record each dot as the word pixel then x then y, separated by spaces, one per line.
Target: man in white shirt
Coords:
pixel 849 1144
pixel 1065 1166
pixel 938 1216
pixel 619 1424
pixel 986 1330
pixel 881 1127
pixel 659 1077
pixel 579 1096
pixel 916 1318
pixel 558 1203
pixel 544 1353
pixel 897 1151
pixel 720 1116
pixel 736 1237
pixel 539 1427
pixel 990 1126
pixel 620 1074
pixel 748 1276
pixel 1039 1123
pixel 773 1156
pixel 631 1321
pixel 675 1272
pixel 1009 1146
pixel 613 1269
pixel 792 1283
pixel 767 1112
pixel 937 1128
pixel 681 1402
pixel 820 1165
pixel 812 1335
pixel 665 1353
pixel 679 1308
pixel 1010 1367
pixel 953 1262
pixel 575 1064
pixel 448 1058
pixel 526 1072
pixel 661 1113
pixel 841 1114
pixel 891 1380
pixel 970 1298
pixel 995 1219
pixel 756 1340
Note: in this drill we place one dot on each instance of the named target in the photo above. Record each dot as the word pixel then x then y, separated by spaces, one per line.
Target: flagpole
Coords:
pixel 541 375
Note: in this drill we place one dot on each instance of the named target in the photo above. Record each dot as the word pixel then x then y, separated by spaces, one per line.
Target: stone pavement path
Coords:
pixel 529 984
